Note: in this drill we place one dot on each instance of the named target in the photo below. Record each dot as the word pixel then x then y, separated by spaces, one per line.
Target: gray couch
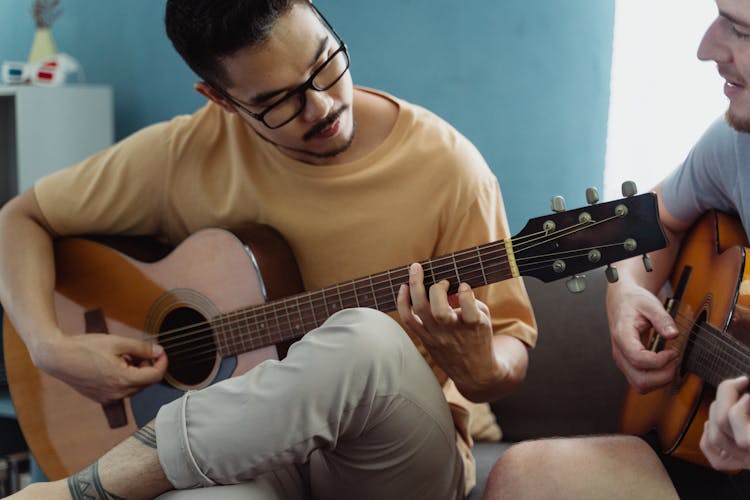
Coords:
pixel 573 387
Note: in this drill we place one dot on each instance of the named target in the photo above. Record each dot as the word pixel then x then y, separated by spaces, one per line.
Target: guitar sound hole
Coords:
pixel 188 339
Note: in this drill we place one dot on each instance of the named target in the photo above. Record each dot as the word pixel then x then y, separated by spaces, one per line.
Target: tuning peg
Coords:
pixel 592 195
pixel 611 273
pixel 647 263
pixel 576 284
pixel 629 189
pixel 558 204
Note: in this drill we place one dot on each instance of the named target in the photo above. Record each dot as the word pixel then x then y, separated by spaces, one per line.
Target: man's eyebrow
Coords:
pixel 259 99
pixel 734 20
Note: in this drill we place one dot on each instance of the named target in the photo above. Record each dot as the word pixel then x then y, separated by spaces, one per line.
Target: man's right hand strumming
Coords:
pixel 100 366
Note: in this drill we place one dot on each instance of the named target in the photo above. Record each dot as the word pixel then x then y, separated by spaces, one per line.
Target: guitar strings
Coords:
pixel 731 345
pixel 727 351
pixel 191 341
pixel 402 275
pixel 235 319
pixel 434 267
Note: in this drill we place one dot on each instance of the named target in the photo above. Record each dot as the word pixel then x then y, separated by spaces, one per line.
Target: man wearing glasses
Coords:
pixel 358 182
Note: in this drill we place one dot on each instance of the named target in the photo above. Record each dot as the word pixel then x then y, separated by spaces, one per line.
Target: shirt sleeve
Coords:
pixel 115 191
pixel 708 176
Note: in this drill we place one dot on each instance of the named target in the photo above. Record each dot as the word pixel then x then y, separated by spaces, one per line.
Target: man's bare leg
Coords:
pixel 611 467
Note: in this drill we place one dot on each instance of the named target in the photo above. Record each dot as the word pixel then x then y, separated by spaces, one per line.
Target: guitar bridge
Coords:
pixel 114 411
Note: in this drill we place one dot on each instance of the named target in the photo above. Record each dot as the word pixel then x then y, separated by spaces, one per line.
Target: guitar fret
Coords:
pixel 217 326
pixel 356 293
pixel 312 310
pixel 252 329
pixel 331 301
pixel 374 295
pixel 321 316
pixel 240 337
pixel 432 273
pixel 392 289
pixel 481 265
pixel 287 315
pixel 231 339
pixel 340 304
pixel 298 325
pixel 455 268
pixel 350 295
pixel 265 328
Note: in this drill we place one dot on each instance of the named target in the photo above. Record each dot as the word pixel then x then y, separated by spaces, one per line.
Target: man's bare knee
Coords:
pixel 581 468
pixel 511 474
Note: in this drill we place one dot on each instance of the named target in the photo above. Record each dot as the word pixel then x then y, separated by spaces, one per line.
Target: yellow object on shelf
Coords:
pixel 43 47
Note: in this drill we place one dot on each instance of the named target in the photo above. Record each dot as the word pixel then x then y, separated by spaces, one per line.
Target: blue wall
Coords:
pixel 527 82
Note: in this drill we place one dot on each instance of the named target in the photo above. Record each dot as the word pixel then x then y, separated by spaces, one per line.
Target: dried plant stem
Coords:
pixel 45 12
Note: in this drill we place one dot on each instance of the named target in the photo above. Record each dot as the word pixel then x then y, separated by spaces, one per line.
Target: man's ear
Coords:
pixel 211 94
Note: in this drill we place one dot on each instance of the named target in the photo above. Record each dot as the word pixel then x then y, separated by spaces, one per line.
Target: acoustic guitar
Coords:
pixel 711 306
pixel 223 301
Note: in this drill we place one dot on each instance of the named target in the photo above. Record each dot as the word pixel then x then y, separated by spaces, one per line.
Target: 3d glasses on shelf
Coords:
pixel 51 72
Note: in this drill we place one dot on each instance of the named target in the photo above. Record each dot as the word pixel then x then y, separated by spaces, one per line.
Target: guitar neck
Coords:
pixel 548 248
pixel 274 322
pixel 715 356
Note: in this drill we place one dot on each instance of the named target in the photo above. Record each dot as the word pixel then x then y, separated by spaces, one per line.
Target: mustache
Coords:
pixel 730 77
pixel 324 123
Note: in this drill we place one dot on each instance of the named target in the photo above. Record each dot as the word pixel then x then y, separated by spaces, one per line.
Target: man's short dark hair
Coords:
pixel 206 31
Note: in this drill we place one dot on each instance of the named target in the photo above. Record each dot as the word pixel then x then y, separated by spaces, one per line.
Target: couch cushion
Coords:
pixel 486 454
pixel 572 386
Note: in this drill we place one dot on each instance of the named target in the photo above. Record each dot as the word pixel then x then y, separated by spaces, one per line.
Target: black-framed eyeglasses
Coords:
pixel 291 105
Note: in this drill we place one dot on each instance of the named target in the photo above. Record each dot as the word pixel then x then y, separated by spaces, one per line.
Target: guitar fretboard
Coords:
pixel 715 356
pixel 259 326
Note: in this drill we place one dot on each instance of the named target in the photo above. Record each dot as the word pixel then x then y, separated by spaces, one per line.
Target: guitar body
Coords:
pixel 101 289
pixel 716 293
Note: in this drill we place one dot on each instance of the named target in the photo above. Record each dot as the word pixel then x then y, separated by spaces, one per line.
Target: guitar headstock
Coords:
pixel 570 242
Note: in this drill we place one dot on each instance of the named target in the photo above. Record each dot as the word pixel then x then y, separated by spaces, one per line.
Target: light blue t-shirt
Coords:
pixel 715 175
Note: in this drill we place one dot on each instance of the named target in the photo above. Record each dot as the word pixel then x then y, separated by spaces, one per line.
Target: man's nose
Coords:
pixel 318 104
pixel 713 46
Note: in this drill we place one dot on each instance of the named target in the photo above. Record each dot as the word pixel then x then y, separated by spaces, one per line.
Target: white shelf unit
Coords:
pixel 43 129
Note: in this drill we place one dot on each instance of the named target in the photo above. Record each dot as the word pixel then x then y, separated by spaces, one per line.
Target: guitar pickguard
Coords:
pixel 145 404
